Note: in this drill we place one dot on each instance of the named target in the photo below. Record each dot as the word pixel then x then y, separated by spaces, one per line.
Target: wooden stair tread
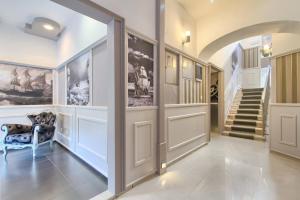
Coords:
pixel 247 135
pixel 245 127
pixel 246 120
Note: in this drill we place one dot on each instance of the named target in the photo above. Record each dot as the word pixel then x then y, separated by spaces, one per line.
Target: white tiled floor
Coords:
pixel 227 168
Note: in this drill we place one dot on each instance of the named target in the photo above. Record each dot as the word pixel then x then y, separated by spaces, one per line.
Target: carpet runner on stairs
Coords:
pixel 246 118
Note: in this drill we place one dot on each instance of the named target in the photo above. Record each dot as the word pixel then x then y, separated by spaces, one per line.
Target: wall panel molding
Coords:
pixel 143 142
pixel 171 120
pixel 288 132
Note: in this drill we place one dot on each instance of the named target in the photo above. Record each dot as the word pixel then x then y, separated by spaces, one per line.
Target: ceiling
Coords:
pixel 19 12
pixel 200 8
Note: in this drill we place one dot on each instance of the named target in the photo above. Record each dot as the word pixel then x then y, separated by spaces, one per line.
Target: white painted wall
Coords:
pixel 177 22
pixel 223 59
pixel 241 14
pixel 17 46
pixel 232 80
pixel 284 42
pixel 139 15
pixel 80 33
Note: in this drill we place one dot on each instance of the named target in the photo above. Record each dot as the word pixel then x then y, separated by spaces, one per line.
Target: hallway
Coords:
pixel 227 168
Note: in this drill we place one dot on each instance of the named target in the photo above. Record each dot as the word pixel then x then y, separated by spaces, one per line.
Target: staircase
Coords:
pixel 245 119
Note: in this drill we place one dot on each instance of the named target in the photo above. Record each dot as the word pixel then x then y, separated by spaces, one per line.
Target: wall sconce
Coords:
pixel 187 38
pixel 164 165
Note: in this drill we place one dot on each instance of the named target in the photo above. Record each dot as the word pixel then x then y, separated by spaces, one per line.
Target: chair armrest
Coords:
pixel 11 129
pixel 42 133
pixel 41 128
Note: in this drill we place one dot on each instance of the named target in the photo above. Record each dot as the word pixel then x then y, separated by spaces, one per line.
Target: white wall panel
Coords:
pixel 65 126
pixel 284 129
pixel 83 130
pixel 251 78
pixel 187 128
pixel 91 136
pixel 141 137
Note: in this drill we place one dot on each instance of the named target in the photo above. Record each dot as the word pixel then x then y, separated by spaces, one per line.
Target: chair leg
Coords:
pixel 33 152
pixel 5 153
pixel 51 145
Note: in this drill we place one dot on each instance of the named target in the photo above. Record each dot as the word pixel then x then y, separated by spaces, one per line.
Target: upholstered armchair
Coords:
pixel 19 136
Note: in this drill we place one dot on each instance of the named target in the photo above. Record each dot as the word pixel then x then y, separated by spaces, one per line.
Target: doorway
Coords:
pixel 216 100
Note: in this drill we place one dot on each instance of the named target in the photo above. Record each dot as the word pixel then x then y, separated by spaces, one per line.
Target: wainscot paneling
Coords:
pixel 187 128
pixel 65 126
pixel 83 130
pixel 141 134
pixel 284 129
pixel 18 114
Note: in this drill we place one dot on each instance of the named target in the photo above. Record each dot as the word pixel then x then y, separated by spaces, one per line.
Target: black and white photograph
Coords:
pixel 23 85
pixel 79 80
pixel 140 72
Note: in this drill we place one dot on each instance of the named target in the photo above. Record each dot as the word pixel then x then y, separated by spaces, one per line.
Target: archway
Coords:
pixel 250 31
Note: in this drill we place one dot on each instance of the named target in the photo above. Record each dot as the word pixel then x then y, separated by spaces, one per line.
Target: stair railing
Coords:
pixel 266 98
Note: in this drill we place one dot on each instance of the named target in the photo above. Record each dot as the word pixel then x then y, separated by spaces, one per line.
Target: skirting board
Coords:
pixel 140 180
pixel 79 157
pixel 186 154
pixel 284 154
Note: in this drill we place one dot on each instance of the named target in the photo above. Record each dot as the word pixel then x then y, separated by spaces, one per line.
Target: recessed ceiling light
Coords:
pixel 212 1
pixel 48 27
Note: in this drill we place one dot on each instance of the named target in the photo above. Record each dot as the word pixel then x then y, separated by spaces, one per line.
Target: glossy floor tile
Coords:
pixel 56 175
pixel 227 168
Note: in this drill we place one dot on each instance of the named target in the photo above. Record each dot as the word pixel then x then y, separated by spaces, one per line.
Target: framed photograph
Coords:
pixel 171 68
pixel 25 85
pixel 141 80
pixel 79 81
pixel 198 72
pixel 187 68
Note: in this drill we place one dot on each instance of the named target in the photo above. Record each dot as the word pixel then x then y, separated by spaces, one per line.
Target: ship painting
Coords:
pixel 25 85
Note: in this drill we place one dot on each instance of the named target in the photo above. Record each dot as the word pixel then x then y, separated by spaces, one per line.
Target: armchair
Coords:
pixel 18 136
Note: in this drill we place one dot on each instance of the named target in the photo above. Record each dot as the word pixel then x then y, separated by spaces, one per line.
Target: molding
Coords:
pixel 140 35
pixel 137 162
pixel 96 121
pixel 82 52
pixel 285 105
pixel 26 106
pixel 185 105
pixel 186 154
pixel 140 179
pixel 293 117
pixel 13 116
pixel 283 153
pixel 26 65
pixel 180 52
pixel 185 142
pixel 141 108
pixel 68 129
pixel 99 108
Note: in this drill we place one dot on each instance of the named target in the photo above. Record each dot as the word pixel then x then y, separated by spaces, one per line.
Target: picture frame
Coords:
pixel 141 53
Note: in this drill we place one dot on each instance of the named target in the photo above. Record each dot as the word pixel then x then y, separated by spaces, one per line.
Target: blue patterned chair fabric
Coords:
pixel 20 134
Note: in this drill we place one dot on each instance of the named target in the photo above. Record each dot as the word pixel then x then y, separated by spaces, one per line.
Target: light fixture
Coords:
pixel 44 27
pixel 164 165
pixel 212 1
pixel 266 47
pixel 48 27
pixel 187 38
